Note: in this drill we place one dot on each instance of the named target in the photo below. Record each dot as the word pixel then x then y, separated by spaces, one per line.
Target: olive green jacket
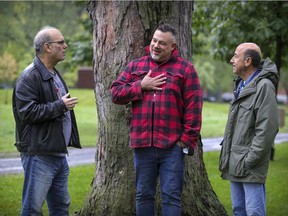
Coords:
pixel 251 128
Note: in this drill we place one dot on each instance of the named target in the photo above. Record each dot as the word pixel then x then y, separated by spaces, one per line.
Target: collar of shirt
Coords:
pixel 243 83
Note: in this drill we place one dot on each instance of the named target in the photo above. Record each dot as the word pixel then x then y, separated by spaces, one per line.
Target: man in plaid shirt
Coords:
pixel 166 118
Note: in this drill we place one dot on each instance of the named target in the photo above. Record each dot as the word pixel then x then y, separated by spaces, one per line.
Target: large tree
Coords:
pixel 225 24
pixel 121 30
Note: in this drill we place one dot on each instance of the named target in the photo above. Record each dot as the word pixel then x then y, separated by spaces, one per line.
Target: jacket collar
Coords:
pixel 45 74
pixel 267 70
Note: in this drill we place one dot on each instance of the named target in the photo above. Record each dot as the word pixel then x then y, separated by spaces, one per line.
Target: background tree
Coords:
pixel 8 72
pixel 8 69
pixel 226 24
pixel 215 76
pixel 20 22
pixel 121 30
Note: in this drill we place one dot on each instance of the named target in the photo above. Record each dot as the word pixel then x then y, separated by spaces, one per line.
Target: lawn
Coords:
pixel 214 119
pixel 276 185
pixel 213 124
pixel 80 178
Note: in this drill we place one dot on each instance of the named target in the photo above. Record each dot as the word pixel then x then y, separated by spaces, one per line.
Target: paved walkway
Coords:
pixel 87 155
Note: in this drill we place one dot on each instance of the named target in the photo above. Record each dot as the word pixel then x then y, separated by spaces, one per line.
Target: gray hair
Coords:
pixel 42 37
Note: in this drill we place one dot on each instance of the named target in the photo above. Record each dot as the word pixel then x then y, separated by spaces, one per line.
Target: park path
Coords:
pixel 87 155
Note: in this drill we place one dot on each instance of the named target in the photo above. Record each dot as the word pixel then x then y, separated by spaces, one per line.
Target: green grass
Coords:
pixel 214 116
pixel 276 185
pixel 213 124
pixel 214 120
pixel 7 125
pixel 80 178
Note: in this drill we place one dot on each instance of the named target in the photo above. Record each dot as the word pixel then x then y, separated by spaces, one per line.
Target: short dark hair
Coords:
pixel 254 55
pixel 165 27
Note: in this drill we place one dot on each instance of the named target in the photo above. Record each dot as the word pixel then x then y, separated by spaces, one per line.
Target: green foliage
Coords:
pixel 215 76
pixel 70 77
pixel 81 47
pixel 229 23
pixel 8 69
pixel 25 19
pixel 206 72
pixel 220 26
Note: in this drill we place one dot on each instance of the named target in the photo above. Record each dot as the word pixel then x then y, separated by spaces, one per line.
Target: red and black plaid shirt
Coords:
pixel 161 118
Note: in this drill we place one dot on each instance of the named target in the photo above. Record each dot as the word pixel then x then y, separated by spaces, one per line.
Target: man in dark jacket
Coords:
pixel 250 130
pixel 45 126
pixel 166 117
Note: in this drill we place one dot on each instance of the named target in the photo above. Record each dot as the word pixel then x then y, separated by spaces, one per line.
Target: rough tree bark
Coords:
pixel 121 30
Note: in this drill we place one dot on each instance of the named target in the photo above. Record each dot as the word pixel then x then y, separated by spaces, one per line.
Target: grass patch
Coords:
pixel 80 178
pixel 276 185
pixel 214 117
pixel 213 124
pixel 7 125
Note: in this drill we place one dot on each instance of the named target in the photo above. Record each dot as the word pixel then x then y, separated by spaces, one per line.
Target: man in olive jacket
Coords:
pixel 250 130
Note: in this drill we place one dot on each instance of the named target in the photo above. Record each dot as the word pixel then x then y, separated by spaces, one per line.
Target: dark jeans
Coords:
pixel 150 163
pixel 45 178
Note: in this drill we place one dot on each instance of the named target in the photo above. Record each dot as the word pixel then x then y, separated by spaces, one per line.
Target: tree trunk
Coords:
pixel 121 30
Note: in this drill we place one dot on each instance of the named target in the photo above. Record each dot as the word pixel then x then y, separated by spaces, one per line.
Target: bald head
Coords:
pixel 251 50
pixel 251 46
pixel 42 37
pixel 246 59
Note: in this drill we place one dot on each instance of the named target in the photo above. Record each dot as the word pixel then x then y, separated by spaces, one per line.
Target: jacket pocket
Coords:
pixel 138 75
pixel 48 138
pixel 21 146
pixel 246 112
pixel 174 82
pixel 23 137
pixel 236 161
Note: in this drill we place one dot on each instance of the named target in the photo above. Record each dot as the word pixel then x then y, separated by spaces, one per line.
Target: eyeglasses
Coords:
pixel 58 42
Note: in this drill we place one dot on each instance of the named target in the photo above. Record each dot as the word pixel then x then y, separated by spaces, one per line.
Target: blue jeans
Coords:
pixel 150 163
pixel 45 178
pixel 248 199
